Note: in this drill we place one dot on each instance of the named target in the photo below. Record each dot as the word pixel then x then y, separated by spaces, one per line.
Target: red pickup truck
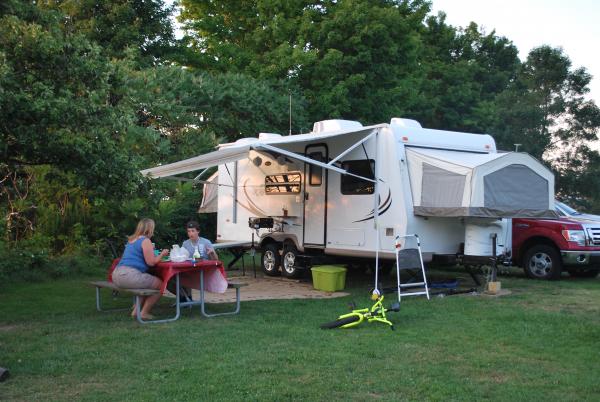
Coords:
pixel 544 247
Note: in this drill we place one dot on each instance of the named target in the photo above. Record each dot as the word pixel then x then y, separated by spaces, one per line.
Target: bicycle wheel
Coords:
pixel 340 322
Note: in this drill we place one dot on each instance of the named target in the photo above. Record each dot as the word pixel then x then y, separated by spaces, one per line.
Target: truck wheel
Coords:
pixel 289 266
pixel 542 262
pixel 271 260
pixel 584 272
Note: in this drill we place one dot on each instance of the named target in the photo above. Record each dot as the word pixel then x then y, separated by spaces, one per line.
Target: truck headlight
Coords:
pixel 576 236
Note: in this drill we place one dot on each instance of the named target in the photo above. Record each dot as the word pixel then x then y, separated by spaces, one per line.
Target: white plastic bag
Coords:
pixel 179 254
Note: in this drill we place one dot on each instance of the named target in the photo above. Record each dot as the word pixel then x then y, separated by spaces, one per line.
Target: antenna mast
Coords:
pixel 290 93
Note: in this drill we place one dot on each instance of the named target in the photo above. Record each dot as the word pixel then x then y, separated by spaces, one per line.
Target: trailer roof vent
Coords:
pixel 325 126
pixel 406 123
pixel 268 136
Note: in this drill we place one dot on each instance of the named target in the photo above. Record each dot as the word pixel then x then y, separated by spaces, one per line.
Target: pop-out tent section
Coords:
pixel 466 184
pixel 210 194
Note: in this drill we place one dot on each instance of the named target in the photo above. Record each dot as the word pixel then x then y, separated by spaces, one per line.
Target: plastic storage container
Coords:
pixel 329 278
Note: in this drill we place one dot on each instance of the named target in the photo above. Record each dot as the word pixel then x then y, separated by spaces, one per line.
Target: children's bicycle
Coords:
pixel 357 316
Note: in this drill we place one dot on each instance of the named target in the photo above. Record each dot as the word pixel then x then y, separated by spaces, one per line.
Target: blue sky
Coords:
pixel 573 25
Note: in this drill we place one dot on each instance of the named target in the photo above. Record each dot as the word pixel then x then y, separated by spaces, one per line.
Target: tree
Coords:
pixel 61 102
pixel 461 73
pixel 351 58
pixel 71 113
pixel 65 105
pixel 122 27
pixel 546 111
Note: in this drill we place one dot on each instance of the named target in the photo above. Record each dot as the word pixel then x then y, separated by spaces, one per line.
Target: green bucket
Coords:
pixel 329 278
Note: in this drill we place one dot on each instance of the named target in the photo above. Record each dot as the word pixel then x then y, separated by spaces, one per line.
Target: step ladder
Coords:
pixel 410 259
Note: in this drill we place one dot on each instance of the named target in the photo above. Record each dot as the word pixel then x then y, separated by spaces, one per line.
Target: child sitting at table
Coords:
pixel 195 242
pixel 205 249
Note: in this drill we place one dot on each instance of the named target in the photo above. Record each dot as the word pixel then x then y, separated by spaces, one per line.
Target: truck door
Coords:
pixel 315 197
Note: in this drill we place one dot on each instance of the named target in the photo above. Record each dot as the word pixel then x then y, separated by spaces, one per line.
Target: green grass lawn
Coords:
pixel 542 342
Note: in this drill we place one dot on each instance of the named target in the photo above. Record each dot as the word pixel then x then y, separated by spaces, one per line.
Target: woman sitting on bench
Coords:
pixel 131 273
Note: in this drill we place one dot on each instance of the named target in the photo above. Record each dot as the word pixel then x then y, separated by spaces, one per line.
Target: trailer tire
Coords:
pixel 271 260
pixel 542 261
pixel 289 266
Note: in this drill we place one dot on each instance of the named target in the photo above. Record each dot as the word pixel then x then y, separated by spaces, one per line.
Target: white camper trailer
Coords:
pixel 348 190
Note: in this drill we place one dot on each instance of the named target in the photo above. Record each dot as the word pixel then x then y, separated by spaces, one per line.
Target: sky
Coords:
pixel 573 25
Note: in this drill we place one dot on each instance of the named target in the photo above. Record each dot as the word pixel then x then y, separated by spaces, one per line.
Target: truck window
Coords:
pixel 351 185
pixel 283 183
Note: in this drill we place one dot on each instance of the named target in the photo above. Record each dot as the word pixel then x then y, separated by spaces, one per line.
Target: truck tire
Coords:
pixel 542 262
pixel 584 272
pixel 271 260
pixel 289 265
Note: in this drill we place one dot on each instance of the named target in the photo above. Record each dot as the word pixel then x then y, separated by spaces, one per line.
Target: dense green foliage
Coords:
pixel 91 92
pixel 83 109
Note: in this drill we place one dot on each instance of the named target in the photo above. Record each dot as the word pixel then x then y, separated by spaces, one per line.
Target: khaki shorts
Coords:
pixel 130 278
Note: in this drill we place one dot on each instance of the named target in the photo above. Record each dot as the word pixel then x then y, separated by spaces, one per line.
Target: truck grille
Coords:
pixel 594 234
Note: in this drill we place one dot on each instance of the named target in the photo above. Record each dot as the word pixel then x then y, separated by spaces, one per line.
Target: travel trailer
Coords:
pixel 346 190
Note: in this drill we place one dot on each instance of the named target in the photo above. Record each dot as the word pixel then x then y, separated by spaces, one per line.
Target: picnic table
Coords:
pixel 205 275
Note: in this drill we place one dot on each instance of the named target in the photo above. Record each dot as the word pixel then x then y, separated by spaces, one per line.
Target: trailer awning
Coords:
pixel 240 149
pixel 225 155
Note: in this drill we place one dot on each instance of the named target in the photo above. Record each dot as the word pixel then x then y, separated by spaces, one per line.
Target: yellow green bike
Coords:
pixel 376 313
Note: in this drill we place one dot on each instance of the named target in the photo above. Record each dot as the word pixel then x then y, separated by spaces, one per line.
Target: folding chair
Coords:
pixel 406 259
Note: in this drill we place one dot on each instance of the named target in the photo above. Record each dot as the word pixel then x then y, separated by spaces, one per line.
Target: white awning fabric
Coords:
pixel 225 155
pixel 239 150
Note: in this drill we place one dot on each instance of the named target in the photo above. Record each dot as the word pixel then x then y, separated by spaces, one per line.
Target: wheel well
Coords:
pixel 535 241
pixel 289 242
pixel 266 241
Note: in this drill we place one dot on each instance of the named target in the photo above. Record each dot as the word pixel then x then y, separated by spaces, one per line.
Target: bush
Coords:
pixel 27 261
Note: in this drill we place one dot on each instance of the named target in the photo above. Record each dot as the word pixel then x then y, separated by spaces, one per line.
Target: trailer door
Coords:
pixel 315 197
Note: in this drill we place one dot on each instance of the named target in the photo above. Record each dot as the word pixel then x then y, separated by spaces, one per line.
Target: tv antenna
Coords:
pixel 290 112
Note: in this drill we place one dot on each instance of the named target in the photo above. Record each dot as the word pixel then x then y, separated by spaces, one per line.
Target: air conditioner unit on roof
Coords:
pixel 325 126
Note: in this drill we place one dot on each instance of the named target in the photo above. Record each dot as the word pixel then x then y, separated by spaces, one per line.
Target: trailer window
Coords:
pixel 353 185
pixel 283 183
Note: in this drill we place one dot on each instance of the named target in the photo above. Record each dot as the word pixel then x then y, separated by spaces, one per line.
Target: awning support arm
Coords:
pixel 346 152
pixel 197 178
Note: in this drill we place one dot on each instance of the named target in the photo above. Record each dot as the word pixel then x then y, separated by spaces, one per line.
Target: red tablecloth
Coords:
pixel 215 279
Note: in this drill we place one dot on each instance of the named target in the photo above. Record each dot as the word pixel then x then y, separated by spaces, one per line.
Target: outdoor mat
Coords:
pixel 269 288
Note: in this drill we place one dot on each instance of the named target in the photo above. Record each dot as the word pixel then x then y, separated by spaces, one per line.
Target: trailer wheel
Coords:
pixel 289 265
pixel 542 262
pixel 271 260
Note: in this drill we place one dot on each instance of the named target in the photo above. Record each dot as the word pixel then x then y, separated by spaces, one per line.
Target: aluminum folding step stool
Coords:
pixel 410 258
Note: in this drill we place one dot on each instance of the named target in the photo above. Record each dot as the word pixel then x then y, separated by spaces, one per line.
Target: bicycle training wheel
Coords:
pixel 340 322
